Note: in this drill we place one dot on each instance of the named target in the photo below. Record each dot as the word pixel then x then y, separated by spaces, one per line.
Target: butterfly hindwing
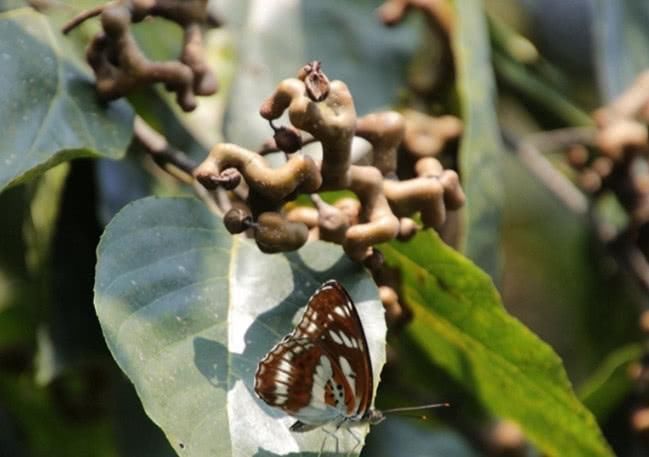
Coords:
pixel 321 371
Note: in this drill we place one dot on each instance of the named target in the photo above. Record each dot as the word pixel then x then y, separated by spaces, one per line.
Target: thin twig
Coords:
pixel 529 153
pixel 82 16
pixel 163 155
pixel 160 150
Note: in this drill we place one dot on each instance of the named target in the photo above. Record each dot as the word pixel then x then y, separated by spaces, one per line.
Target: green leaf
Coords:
pixel 611 382
pixel 620 25
pixel 188 310
pixel 481 148
pixel 50 110
pixel 461 324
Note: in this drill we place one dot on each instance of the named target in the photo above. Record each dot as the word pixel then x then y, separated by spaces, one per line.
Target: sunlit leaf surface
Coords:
pixel 188 311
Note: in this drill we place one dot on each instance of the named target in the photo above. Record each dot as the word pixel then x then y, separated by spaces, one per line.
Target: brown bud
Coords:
pixel 315 81
pixel 228 178
pixel 287 139
pixel 237 220
pixel 274 233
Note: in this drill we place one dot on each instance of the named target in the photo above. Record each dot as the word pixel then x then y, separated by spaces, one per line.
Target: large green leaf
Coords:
pixel 188 311
pixel 461 324
pixel 50 112
pixel 481 149
pixel 620 25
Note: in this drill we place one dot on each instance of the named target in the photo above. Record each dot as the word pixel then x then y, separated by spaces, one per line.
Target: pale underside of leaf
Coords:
pixel 188 311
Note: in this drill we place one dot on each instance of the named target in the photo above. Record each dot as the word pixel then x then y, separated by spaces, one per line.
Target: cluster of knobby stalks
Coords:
pixel 616 162
pixel 387 194
pixel 384 203
pixel 119 64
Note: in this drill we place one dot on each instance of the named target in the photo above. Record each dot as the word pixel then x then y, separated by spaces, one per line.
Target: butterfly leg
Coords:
pixel 356 439
pixel 333 435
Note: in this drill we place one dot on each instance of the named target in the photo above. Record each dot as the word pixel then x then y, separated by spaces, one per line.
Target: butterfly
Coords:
pixel 321 372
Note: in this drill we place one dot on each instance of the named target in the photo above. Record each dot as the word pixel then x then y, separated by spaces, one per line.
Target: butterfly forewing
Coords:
pixel 321 371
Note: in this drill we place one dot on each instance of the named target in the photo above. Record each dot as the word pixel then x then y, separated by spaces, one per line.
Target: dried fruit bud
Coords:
pixel 229 178
pixel 274 233
pixel 287 139
pixel 315 81
pixel 237 220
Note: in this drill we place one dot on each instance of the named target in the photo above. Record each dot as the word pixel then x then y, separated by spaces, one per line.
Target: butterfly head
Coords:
pixel 373 416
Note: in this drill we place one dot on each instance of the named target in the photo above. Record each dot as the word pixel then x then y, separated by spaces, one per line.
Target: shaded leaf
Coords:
pixel 400 436
pixel 188 311
pixel 50 109
pixel 481 149
pixel 461 324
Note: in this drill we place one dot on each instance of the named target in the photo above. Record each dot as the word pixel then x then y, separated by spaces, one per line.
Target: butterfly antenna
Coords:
pixel 416 408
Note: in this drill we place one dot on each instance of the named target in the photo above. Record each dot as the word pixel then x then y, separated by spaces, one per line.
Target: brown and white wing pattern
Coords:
pixel 321 371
